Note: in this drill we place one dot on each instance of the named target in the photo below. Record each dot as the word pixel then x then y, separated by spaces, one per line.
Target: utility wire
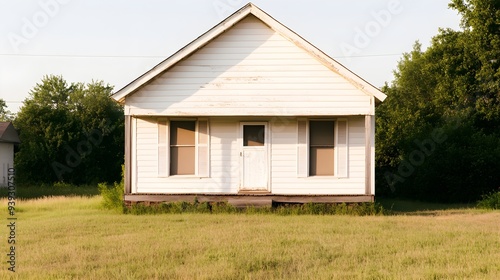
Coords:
pixel 85 56
pixel 158 56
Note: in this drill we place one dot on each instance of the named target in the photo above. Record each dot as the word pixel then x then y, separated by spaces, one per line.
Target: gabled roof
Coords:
pixel 8 133
pixel 229 22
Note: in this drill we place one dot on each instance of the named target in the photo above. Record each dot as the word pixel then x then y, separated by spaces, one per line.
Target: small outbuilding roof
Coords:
pixel 8 133
pixel 229 22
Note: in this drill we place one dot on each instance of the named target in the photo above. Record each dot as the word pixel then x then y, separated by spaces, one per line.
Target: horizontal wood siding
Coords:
pixel 224 154
pixel 249 70
pixel 224 160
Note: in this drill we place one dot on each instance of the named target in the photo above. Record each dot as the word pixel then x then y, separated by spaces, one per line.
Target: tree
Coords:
pixel 71 133
pixel 481 30
pixel 437 131
pixel 5 115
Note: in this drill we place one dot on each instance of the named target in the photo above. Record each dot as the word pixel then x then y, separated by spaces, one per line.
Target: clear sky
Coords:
pixel 116 40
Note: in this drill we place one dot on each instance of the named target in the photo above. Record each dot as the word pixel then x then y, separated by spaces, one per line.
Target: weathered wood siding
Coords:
pixel 225 160
pixel 249 70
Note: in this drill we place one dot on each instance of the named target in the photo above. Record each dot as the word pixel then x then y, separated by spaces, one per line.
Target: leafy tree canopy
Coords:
pixel 69 132
pixel 5 115
pixel 438 135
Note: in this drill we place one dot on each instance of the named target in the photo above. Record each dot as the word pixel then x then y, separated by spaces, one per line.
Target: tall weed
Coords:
pixel 357 209
pixel 112 195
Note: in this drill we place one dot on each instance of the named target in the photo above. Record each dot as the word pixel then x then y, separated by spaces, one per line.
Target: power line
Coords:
pixel 158 56
pixel 82 55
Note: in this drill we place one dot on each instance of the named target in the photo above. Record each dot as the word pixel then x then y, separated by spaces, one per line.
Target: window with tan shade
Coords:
pixel 182 147
pixel 321 148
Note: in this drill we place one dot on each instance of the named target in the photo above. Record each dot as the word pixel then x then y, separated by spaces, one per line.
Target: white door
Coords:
pixel 254 156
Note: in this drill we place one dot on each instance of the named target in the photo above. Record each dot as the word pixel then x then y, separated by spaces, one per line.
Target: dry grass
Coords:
pixel 73 238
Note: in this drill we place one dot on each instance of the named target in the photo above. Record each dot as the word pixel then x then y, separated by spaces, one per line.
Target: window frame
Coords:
pixel 311 145
pixel 341 165
pixel 177 146
pixel 165 171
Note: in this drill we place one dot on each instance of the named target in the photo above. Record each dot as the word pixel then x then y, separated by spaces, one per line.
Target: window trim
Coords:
pixel 163 171
pixel 197 149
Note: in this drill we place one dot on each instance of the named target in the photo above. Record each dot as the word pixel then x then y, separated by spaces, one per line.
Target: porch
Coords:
pixel 246 199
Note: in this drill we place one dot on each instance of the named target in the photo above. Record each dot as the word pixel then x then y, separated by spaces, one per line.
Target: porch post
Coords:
pixel 368 154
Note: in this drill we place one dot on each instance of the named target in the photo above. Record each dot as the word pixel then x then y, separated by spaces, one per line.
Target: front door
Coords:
pixel 254 157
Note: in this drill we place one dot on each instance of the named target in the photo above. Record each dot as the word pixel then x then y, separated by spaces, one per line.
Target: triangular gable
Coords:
pixel 229 22
pixel 8 133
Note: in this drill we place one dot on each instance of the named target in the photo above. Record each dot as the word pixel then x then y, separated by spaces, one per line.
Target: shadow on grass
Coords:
pixel 419 208
pixel 30 192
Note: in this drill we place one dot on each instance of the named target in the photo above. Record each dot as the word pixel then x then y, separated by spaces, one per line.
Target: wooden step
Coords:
pixel 249 201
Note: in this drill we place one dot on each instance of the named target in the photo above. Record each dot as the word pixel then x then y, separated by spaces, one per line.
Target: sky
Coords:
pixel 117 41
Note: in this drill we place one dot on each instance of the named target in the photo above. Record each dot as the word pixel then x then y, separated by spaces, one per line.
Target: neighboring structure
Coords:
pixel 249 112
pixel 8 137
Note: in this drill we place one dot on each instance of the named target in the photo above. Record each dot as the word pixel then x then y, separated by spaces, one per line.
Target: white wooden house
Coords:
pixel 8 138
pixel 249 111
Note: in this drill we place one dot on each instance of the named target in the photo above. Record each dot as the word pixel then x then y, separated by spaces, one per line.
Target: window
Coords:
pixel 253 135
pixel 183 147
pixel 321 148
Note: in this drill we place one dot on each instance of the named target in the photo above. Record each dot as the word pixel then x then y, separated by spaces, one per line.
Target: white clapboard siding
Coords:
pixel 249 70
pixel 224 160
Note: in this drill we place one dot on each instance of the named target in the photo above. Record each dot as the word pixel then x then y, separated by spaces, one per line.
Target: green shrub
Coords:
pixel 112 195
pixel 490 201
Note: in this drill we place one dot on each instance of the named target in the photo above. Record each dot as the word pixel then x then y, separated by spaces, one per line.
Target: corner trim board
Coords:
pixel 128 155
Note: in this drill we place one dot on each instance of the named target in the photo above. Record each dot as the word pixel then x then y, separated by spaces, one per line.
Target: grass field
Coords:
pixel 74 238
